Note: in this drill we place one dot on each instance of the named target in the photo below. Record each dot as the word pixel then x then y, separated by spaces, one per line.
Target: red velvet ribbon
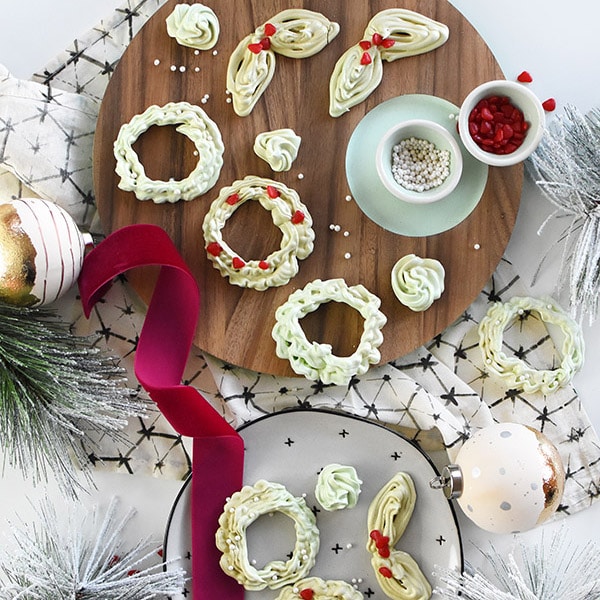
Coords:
pixel 162 352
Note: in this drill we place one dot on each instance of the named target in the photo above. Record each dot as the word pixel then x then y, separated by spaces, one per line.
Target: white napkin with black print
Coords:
pixel 46 138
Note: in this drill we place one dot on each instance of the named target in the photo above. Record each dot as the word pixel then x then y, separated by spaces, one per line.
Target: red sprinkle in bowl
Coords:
pixel 521 98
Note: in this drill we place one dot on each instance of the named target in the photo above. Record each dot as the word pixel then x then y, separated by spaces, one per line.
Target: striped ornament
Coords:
pixel 41 252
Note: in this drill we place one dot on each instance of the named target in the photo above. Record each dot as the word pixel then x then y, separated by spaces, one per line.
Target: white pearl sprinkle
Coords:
pixel 338 228
pixel 196 52
pixel 173 68
pixel 300 175
pixel 346 233
pixel 182 69
pixel 215 52
pixel 332 226
pixel 419 165
pixel 156 62
pixel 348 546
pixel 348 198
pixel 477 246
pixel 204 100
pixel 197 69
pixel 228 100
pixel 347 255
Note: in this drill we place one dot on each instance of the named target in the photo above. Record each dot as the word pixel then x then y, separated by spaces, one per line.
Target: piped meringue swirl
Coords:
pixel 194 25
pixel 418 282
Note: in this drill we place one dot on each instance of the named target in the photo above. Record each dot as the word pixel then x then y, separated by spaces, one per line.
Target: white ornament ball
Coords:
pixel 41 252
pixel 513 478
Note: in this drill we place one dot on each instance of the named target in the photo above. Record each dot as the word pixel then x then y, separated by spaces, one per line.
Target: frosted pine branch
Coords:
pixel 558 571
pixel 84 560
pixel 55 389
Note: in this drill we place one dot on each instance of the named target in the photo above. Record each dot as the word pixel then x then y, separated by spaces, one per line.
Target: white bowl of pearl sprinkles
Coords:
pixel 419 161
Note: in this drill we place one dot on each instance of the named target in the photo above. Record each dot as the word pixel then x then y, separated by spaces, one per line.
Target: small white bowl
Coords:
pixel 522 98
pixel 425 130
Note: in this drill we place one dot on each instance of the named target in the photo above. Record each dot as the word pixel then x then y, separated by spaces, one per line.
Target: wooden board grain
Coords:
pixel 235 323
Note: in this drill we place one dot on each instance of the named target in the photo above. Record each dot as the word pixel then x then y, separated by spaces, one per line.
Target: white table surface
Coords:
pixel 556 44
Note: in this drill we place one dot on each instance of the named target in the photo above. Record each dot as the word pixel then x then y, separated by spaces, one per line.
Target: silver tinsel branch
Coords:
pixel 77 556
pixel 566 168
pixel 558 571
pixel 55 390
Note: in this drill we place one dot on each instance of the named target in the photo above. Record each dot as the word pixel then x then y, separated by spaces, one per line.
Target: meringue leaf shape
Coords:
pixel 301 33
pixel 249 74
pixel 411 32
pixel 353 79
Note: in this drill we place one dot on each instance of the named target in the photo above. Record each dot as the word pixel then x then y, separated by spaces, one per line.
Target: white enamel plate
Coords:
pixel 291 448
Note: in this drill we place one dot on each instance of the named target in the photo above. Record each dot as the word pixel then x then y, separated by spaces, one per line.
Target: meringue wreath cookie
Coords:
pixel 288 213
pixel 317 361
pixel 240 511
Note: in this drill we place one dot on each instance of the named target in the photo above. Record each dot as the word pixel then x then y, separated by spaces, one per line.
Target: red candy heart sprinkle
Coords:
pixel 270 29
pixel 382 541
pixel 375 535
pixel 238 263
pixel 386 572
pixel 524 77
pixel 377 39
pixel 366 59
pixel 365 44
pixel 387 42
pixel 549 105
pixel 214 248
pixel 232 199
pixel 497 126
pixel 263 264
pixel 265 43
pixel 255 48
pixel 307 594
pixel 298 217
pixel 272 192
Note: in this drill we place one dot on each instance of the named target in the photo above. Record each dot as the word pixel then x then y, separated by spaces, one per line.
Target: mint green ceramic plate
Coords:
pixel 385 209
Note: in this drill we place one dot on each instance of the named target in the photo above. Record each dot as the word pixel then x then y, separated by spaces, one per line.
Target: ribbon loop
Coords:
pixel 162 352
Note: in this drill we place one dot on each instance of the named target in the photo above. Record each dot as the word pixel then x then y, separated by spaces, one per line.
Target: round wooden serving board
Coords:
pixel 235 323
